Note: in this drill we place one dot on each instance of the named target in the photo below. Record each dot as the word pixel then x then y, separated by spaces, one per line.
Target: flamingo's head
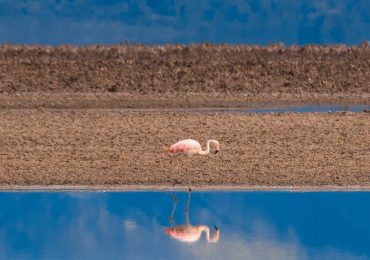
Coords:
pixel 216 146
pixel 216 235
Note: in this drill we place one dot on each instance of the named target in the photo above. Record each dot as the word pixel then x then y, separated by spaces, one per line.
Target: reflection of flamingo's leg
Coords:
pixel 187 207
pixel 175 201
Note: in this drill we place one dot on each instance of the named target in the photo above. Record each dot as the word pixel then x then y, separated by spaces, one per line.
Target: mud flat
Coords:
pixel 122 148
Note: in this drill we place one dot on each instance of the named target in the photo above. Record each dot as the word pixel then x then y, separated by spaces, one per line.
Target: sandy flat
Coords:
pixel 122 148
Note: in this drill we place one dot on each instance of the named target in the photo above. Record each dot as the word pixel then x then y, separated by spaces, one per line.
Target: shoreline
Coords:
pixel 166 188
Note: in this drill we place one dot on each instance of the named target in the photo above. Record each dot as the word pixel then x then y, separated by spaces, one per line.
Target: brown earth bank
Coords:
pixel 177 75
pixel 126 148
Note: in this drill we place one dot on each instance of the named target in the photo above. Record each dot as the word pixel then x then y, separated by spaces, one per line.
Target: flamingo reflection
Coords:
pixel 188 233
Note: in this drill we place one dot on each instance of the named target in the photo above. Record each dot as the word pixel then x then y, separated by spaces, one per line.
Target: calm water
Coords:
pixel 292 108
pixel 313 108
pixel 130 225
pixel 307 108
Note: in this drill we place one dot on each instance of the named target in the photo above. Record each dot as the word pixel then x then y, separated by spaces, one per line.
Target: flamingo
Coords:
pixel 189 233
pixel 192 147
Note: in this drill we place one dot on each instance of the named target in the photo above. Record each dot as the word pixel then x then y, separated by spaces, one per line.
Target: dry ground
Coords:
pixel 177 69
pixel 46 137
pixel 118 148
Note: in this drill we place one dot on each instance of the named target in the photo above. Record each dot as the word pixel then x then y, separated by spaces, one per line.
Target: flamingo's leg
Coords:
pixel 175 201
pixel 187 207
pixel 187 170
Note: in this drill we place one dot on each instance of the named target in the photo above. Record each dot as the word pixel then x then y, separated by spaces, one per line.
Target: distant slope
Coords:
pixel 176 69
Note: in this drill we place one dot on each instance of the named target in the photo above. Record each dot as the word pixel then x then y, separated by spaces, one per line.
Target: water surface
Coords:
pixel 311 108
pixel 130 225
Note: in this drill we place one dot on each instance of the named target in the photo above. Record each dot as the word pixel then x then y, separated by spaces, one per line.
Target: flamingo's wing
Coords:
pixel 183 234
pixel 184 146
pixel 178 148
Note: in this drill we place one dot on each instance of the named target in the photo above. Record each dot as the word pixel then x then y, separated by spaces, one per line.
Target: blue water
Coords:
pixel 263 108
pixel 130 225
pixel 313 108
pixel 309 108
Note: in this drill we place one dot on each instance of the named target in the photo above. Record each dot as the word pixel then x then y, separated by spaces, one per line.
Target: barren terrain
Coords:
pixel 115 148
pixel 126 76
pixel 65 116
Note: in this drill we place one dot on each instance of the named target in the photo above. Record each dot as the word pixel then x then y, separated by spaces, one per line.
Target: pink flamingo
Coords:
pixel 192 147
pixel 189 233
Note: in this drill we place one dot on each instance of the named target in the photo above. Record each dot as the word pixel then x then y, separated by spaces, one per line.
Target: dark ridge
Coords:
pixel 204 68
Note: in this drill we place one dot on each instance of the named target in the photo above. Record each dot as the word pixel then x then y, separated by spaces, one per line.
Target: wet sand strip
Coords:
pixel 245 100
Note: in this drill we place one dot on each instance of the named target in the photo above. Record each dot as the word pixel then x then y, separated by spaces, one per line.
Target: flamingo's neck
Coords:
pixel 206 151
pixel 215 236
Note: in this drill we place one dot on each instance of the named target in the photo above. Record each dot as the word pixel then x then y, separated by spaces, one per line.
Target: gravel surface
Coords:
pixel 64 118
pixel 123 148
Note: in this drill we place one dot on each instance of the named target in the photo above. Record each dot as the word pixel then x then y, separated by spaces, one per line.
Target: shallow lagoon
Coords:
pixel 130 225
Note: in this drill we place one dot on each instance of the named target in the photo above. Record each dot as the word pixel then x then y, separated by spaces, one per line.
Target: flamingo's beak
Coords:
pixel 216 228
pixel 216 152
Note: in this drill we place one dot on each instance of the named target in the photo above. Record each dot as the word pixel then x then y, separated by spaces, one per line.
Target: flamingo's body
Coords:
pixel 191 234
pixel 191 147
